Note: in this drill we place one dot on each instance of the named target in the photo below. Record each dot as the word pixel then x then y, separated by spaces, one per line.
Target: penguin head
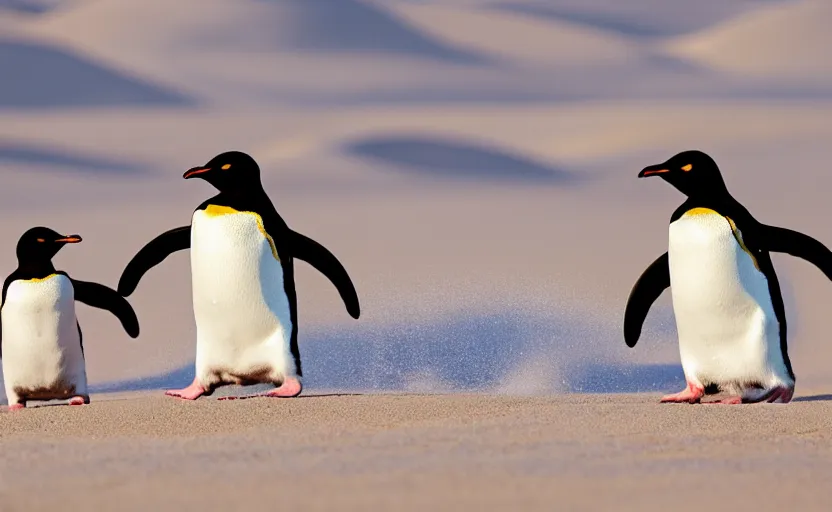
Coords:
pixel 41 244
pixel 227 172
pixel 693 173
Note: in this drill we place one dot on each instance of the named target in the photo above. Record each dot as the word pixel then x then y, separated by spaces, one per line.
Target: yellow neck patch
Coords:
pixel 39 279
pixel 213 210
pixel 700 211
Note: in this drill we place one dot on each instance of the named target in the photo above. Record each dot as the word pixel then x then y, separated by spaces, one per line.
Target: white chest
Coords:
pixel 238 283
pixel 706 259
pixel 231 253
pixel 725 319
pixel 41 343
pixel 38 311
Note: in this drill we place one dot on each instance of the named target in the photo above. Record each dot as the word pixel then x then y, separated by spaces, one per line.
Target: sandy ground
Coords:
pixel 417 452
pixel 473 165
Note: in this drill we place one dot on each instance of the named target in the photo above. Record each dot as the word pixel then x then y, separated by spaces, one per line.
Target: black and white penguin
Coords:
pixel 242 272
pixel 41 344
pixel 726 297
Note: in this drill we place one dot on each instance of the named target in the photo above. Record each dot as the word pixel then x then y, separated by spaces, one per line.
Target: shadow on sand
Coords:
pixel 814 398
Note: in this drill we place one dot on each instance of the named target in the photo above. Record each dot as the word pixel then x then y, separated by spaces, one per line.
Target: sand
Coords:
pixel 473 164
pixel 417 452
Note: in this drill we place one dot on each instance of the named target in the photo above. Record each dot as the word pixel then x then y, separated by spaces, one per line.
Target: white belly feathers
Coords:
pixel 728 331
pixel 241 309
pixel 42 356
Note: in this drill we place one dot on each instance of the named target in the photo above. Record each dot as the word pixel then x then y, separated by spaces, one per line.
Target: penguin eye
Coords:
pixel 41 240
pixel 226 167
pixel 687 167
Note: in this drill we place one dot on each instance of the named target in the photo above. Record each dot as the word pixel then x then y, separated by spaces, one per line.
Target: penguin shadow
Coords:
pixel 813 398
pixel 456 159
pixel 506 353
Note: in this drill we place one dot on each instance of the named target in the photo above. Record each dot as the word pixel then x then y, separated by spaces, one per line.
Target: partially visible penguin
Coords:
pixel 726 298
pixel 41 344
pixel 242 272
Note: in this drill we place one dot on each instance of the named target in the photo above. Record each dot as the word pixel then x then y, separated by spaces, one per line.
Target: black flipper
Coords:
pixel 103 297
pixel 648 288
pixel 798 245
pixel 151 255
pixel 6 285
pixel 310 251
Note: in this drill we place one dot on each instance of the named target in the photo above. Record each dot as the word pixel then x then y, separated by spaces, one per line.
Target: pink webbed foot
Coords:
pixel 692 395
pixel 192 392
pixel 290 388
pixel 16 407
pixel 78 400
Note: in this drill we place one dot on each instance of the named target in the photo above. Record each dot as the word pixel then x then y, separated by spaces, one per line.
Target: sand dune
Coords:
pixel 792 49
pixel 27 6
pixel 47 76
pixel 635 19
pixel 18 154
pixel 249 25
pixel 541 41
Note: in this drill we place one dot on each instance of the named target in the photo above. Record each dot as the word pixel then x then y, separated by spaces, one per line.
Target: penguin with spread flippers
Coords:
pixel 726 297
pixel 41 344
pixel 242 272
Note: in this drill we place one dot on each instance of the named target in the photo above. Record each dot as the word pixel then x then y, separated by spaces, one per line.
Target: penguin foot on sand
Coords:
pixel 16 407
pixel 78 400
pixel 779 394
pixel 290 388
pixel 692 395
pixel 192 392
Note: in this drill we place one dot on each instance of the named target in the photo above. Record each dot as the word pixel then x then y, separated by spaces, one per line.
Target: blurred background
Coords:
pixel 472 163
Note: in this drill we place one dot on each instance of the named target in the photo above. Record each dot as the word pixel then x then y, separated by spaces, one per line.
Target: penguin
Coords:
pixel 729 311
pixel 41 344
pixel 242 277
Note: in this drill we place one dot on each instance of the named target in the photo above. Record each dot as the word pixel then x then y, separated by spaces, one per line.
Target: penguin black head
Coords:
pixel 693 173
pixel 229 171
pixel 42 244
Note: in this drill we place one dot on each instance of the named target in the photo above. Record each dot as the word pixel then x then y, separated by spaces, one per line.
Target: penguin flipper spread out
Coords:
pixel 799 245
pixel 102 297
pixel 152 254
pixel 648 288
pixel 313 253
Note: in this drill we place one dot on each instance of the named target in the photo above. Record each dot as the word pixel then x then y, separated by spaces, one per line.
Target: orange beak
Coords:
pixel 194 171
pixel 651 172
pixel 71 239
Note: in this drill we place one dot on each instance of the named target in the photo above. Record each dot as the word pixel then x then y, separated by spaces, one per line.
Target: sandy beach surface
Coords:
pixel 417 452
pixel 472 163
